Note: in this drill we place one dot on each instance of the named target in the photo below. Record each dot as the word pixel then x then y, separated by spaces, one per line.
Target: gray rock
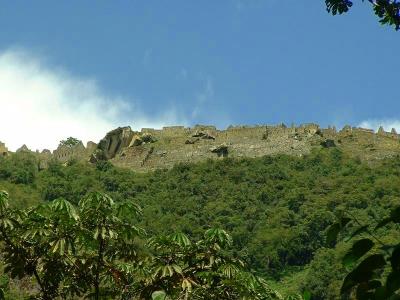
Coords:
pixel 221 150
pixel 115 141
pixel 203 135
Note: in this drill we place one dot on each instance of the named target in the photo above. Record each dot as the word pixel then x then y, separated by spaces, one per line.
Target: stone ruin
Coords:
pixel 150 149
pixel 3 149
pixel 63 153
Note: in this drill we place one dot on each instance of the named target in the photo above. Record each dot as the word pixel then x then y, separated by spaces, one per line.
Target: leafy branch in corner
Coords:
pixel 388 11
pixel 375 265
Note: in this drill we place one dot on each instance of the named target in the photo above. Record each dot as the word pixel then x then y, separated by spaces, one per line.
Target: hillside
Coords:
pixel 152 149
pixel 276 208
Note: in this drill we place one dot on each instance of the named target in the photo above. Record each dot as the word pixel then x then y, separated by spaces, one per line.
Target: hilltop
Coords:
pixel 151 149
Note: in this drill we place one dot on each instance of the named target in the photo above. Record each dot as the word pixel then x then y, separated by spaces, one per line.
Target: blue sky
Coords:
pixel 84 67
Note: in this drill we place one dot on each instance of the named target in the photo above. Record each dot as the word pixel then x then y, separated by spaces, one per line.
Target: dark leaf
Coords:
pixel 366 290
pixel 393 282
pixel 395 259
pixel 395 215
pixel 359 249
pixel 344 221
pixel 363 292
pixel 381 293
pixel 374 284
pixel 364 272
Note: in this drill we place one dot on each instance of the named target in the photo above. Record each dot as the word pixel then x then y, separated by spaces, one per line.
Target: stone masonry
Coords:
pixel 151 149
pixel 3 149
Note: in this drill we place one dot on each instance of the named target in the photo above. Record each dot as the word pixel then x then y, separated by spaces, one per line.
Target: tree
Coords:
pixel 70 142
pixel 388 11
pixel 36 242
pixel 69 250
pixel 182 269
pixel 106 243
pixel 90 251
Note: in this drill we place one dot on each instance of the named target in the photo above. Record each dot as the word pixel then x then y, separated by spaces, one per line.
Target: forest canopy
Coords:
pixel 276 209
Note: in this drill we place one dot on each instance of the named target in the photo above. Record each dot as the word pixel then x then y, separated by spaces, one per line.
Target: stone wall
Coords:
pixel 3 149
pixel 150 149
pixel 67 153
pixel 178 144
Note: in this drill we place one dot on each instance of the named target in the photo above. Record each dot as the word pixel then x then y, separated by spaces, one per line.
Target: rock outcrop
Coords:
pixel 115 141
pixel 177 144
pixel 220 150
pixel 119 139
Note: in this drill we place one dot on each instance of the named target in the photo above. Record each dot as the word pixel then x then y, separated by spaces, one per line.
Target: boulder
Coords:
pixel 148 138
pixel 139 139
pixel 136 141
pixel 221 150
pixel 203 135
pixel 115 141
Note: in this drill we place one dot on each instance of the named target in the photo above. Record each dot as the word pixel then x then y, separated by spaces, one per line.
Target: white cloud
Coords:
pixel 39 106
pixel 387 124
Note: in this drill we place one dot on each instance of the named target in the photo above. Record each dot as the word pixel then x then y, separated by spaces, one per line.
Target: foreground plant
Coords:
pixel 183 269
pixel 90 251
pixel 374 264
pixel 69 251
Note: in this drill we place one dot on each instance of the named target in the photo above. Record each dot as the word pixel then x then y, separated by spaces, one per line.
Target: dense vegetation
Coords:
pixel 92 251
pixel 277 209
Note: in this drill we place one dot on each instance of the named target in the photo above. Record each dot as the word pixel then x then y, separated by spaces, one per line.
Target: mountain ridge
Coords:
pixel 150 149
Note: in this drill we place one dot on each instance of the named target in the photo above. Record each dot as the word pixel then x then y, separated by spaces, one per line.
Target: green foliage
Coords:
pixel 20 168
pixel 324 275
pixel 377 275
pixel 90 251
pixel 158 295
pixel 70 142
pixel 388 11
pixel 201 270
pixel 359 249
pixel 277 209
pixel 68 250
